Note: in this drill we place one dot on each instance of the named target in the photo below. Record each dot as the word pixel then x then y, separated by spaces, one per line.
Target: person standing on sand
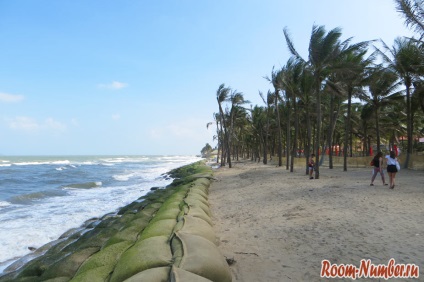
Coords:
pixel 311 165
pixel 392 168
pixel 378 168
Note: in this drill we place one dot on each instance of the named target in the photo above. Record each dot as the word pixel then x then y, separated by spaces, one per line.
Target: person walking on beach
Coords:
pixel 378 168
pixel 311 165
pixel 392 168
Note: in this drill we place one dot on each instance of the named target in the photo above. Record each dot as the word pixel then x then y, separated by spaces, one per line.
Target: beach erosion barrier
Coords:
pixel 165 235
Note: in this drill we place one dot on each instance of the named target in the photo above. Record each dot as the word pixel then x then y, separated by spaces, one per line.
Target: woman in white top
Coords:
pixel 391 168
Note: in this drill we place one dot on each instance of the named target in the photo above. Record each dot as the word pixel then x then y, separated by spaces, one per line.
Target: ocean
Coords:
pixel 43 197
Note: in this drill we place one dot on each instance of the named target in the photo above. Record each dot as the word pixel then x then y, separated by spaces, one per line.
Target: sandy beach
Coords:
pixel 279 226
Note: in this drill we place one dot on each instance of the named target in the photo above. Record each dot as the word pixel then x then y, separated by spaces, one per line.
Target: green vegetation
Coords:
pixel 345 99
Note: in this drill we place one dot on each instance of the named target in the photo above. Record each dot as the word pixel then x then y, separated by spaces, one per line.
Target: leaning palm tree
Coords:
pixel 221 97
pixel 351 66
pixel 406 59
pixel 237 100
pixel 413 12
pixel 383 87
pixel 324 49
pixel 268 102
pixel 274 81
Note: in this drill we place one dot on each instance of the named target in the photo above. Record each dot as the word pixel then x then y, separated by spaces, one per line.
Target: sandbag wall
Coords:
pixel 166 235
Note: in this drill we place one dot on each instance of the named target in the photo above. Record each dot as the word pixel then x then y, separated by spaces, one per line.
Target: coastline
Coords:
pixel 279 226
pixel 159 237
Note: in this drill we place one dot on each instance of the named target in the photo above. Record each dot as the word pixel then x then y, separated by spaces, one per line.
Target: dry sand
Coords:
pixel 279 226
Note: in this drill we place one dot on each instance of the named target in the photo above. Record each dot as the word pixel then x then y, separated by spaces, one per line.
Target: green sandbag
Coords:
pixel 149 253
pixel 129 234
pixel 107 257
pixel 202 257
pixel 58 279
pixel 98 274
pixel 169 213
pixel 159 228
pixel 203 183
pixel 197 226
pixel 181 275
pixel 157 274
pixel 68 266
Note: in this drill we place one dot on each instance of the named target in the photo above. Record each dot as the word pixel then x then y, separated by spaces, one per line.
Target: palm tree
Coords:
pixel 268 102
pixel 406 60
pixel 324 48
pixel 221 97
pixel 274 81
pixel 383 87
pixel 413 12
pixel 237 100
pixel 351 66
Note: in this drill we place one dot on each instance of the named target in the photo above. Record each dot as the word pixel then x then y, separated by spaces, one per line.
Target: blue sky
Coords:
pixel 140 77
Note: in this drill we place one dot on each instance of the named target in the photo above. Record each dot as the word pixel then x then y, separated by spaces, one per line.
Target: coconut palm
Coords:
pixel 413 12
pixel 384 89
pixel 324 49
pixel 406 60
pixel 274 80
pixel 268 102
pixel 350 67
pixel 221 97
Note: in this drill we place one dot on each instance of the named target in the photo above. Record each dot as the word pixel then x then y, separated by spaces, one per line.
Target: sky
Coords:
pixel 95 77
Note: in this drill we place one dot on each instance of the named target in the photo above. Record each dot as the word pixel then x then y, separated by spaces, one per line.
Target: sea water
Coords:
pixel 43 197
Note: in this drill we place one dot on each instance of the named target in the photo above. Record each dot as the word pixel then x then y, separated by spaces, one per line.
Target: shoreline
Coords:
pixel 159 237
pixel 281 225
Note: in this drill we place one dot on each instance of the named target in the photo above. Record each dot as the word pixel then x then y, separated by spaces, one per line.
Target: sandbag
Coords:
pixel 69 265
pixel 197 226
pixel 200 256
pixel 197 211
pixel 159 228
pixel 181 275
pixel 157 274
pixel 149 253
pixel 106 258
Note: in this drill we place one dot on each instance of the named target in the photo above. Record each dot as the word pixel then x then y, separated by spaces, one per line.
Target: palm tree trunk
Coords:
pixel 409 123
pixel 347 129
pixel 288 137
pixel 296 128
pixel 318 127
pixel 280 161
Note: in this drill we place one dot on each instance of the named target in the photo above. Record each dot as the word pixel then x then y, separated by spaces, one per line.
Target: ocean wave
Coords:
pixel 64 162
pixel 123 177
pixel 4 204
pixel 87 185
pixel 5 164
pixel 27 199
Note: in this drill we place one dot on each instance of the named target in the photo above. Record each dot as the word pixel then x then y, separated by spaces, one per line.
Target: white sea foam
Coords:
pixel 45 219
pixel 4 204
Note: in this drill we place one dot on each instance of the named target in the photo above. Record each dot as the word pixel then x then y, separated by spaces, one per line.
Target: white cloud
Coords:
pixel 53 125
pixel 29 124
pixel 23 123
pixel 114 85
pixel 116 116
pixel 10 98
